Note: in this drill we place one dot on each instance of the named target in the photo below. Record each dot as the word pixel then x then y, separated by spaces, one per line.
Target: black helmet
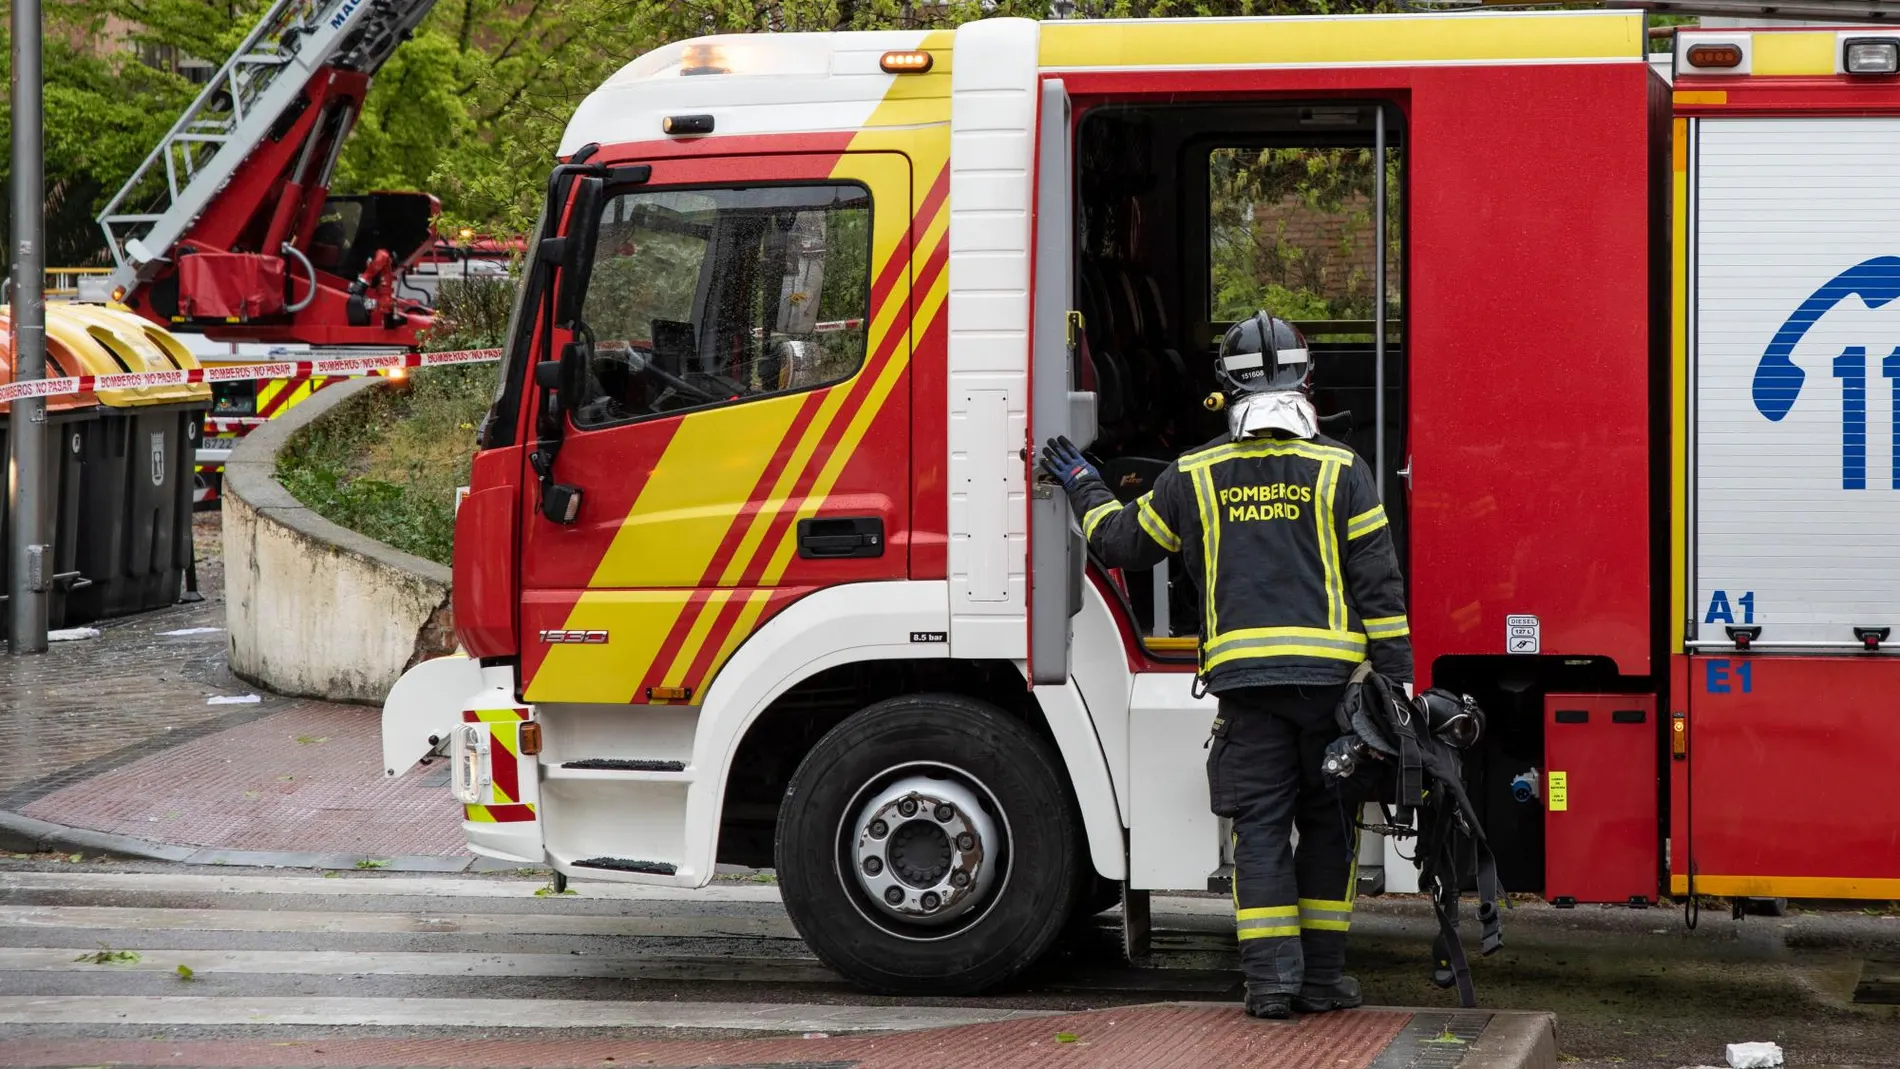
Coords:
pixel 1261 354
pixel 1454 719
pixel 1375 711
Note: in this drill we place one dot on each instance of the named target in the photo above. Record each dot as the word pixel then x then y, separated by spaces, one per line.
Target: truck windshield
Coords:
pixel 700 297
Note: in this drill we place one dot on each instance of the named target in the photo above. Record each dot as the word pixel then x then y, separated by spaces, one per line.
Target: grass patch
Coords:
pixel 387 465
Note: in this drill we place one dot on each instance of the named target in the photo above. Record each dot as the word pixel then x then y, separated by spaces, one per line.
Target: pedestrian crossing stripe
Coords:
pixel 354 922
pixel 205 964
pixel 360 886
pixel 252 967
pixel 319 1011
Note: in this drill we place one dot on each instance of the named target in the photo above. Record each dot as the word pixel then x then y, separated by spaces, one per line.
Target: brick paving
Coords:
pixel 308 779
pixel 132 687
pixel 1149 1037
pixel 115 734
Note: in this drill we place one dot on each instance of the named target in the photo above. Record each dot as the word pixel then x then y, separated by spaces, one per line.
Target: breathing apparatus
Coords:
pixel 1408 752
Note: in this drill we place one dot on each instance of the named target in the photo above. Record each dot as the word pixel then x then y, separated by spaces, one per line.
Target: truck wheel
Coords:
pixel 927 846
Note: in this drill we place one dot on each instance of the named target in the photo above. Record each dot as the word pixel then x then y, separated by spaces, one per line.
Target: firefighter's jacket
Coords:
pixel 1290 548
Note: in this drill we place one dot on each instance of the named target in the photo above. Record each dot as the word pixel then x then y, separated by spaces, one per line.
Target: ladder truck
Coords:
pixel 228 234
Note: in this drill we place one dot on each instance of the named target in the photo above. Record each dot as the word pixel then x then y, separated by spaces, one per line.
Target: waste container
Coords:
pixel 71 422
pixel 122 476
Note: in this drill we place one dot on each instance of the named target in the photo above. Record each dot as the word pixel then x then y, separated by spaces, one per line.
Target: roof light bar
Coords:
pixel 700 59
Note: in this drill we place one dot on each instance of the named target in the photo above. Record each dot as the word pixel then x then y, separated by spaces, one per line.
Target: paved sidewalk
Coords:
pixel 119 735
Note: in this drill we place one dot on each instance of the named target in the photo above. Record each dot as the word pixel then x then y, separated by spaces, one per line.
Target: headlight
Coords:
pixel 471 765
pixel 1871 55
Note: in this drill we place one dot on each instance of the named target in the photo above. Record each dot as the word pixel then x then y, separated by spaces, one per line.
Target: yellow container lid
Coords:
pixel 91 339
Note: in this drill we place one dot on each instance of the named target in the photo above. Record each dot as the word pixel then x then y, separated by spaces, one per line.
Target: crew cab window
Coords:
pixel 702 297
pixel 1290 228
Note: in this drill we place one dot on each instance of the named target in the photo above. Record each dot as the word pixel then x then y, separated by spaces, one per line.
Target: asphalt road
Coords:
pixel 296 955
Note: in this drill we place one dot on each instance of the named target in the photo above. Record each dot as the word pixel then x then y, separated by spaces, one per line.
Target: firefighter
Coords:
pixel 1282 530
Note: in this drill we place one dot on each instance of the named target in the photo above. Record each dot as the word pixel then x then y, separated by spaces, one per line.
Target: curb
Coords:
pixel 395 604
pixel 1515 1041
pixel 24 835
pixel 251 473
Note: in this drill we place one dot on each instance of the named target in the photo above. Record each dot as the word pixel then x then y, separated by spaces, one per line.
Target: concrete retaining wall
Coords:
pixel 316 610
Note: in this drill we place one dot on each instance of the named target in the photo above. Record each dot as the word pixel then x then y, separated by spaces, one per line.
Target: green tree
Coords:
pixel 473 106
pixel 1255 259
pixel 99 121
pixel 414 118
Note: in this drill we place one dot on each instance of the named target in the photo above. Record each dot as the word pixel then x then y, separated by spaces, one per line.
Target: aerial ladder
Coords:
pixel 229 228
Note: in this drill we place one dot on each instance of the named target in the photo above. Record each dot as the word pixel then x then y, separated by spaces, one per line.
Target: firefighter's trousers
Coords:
pixel 1291 908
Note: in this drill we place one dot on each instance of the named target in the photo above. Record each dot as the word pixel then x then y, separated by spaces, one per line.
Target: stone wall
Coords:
pixel 313 609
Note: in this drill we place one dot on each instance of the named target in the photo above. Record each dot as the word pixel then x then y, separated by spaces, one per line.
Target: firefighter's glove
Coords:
pixel 1063 460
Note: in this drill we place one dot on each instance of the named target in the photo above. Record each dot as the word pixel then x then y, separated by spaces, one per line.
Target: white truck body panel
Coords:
pixel 1174 840
pixel 1796 493
pixel 780 83
pixel 993 93
pixel 1100 669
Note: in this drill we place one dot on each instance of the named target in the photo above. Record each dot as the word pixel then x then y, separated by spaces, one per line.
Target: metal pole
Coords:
pixel 1378 296
pixel 29 577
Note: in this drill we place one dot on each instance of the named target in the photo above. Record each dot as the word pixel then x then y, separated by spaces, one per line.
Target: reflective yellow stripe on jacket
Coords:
pixel 1328 533
pixel 1208 499
pixel 1365 523
pixel 1157 528
pixel 1387 627
pixel 1266 448
pixel 1339 645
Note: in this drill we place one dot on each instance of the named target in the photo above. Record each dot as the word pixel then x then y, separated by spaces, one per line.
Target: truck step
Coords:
pixel 624 764
pixel 1371 880
pixel 1221 880
pixel 627 864
pixel 621 770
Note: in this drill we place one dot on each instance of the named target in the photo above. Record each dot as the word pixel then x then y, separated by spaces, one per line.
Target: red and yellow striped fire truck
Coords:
pixel 735 589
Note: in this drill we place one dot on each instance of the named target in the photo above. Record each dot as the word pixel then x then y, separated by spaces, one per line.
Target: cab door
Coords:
pixel 739 438
pixel 1057 552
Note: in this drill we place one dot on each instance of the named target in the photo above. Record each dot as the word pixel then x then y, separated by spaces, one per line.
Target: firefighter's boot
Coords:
pixel 1269 1005
pixel 1341 994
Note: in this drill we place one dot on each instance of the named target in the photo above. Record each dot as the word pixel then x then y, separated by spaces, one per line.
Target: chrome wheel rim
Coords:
pixel 923 850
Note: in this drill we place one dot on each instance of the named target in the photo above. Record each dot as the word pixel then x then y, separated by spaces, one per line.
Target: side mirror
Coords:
pixel 564 380
pixel 577 251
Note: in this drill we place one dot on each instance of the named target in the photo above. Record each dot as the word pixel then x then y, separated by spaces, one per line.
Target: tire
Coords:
pixel 1002 785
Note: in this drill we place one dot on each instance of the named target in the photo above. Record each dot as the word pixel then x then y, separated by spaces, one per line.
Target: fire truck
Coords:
pixel 736 589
